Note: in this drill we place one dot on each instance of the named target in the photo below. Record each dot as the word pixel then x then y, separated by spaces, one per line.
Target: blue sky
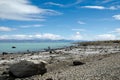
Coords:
pixel 60 19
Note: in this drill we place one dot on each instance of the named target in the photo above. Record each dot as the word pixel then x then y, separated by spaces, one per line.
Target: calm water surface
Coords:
pixel 32 46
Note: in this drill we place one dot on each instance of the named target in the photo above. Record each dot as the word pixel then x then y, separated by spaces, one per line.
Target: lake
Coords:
pixel 32 46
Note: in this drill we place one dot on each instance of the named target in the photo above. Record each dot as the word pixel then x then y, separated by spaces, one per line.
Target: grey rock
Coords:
pixel 27 68
pixel 13 47
pixel 76 62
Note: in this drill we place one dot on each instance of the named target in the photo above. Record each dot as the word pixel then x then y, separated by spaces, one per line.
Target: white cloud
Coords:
pixel 51 36
pixel 30 26
pixel 75 3
pixel 64 5
pixel 117 17
pixel 22 10
pixel 3 28
pixel 112 35
pixel 78 29
pixel 81 22
pixel 117 30
pixel 77 36
pixel 94 7
pixel 30 37
pixel 54 4
pixel 102 7
pixel 113 8
pixel 106 37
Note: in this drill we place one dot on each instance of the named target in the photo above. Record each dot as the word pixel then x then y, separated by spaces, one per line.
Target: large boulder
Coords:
pixel 77 62
pixel 27 68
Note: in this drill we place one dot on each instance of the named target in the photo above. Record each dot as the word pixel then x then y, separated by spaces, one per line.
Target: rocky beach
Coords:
pixel 83 61
pixel 59 39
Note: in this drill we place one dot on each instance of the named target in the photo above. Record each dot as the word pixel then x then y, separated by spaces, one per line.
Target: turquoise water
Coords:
pixel 34 46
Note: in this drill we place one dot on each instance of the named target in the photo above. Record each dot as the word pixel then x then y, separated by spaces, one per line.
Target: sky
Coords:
pixel 60 19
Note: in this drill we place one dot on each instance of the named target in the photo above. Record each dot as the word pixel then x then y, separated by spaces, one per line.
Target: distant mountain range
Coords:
pixel 41 40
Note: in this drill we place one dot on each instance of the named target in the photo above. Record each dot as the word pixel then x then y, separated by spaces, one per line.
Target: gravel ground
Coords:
pixel 60 66
pixel 97 67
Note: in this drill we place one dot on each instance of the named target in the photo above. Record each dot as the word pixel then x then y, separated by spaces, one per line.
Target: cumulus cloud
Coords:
pixel 117 17
pixel 30 37
pixel 44 36
pixel 51 36
pixel 23 10
pixel 77 36
pixel 3 28
pixel 112 35
pixel 106 37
